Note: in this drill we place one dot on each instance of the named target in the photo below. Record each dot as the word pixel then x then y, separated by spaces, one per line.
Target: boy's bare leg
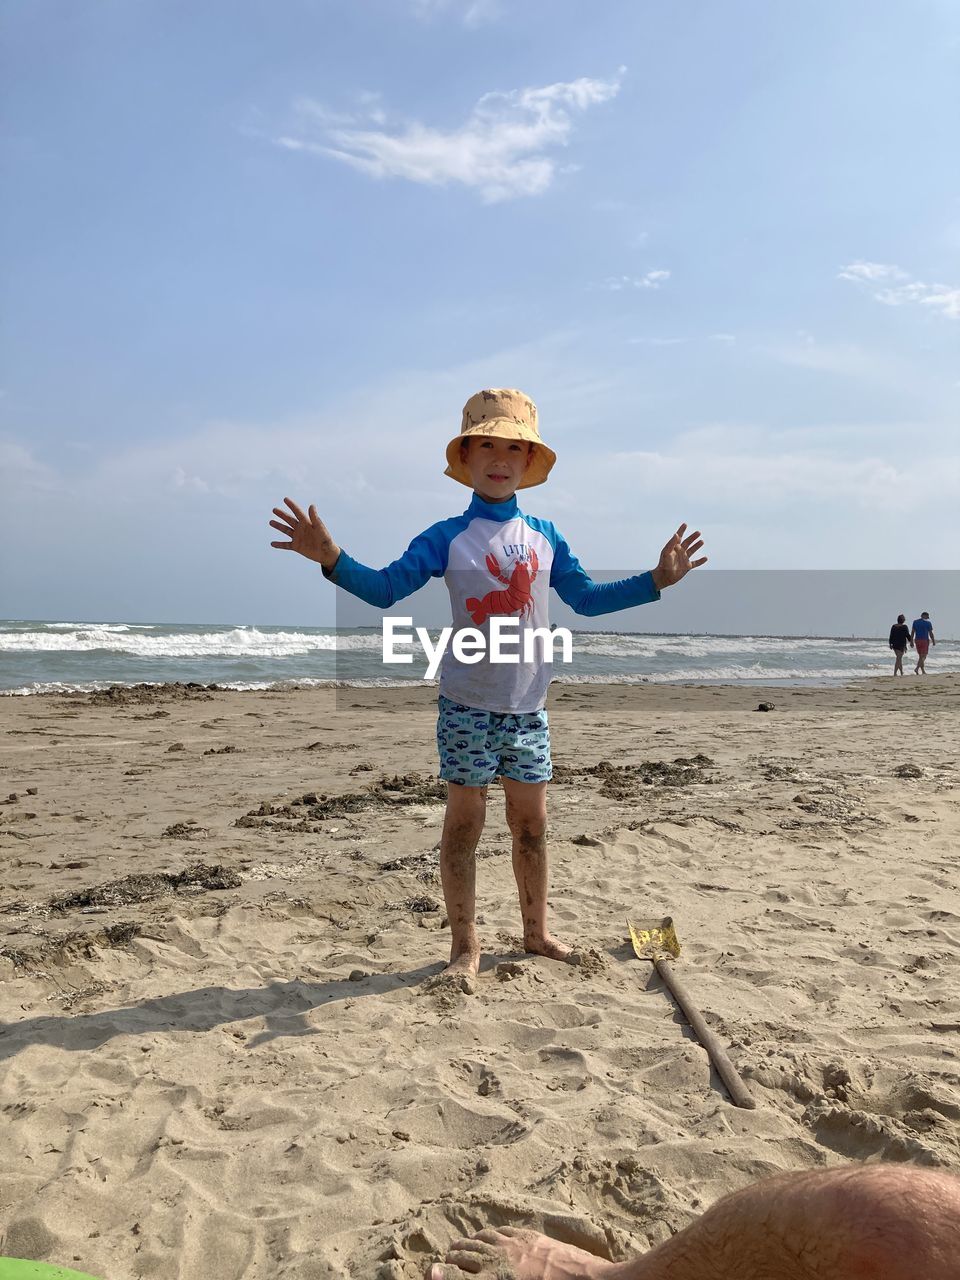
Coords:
pixel 893 1222
pixel 462 827
pixel 527 820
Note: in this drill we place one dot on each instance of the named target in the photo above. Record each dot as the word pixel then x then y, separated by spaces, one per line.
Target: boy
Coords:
pixel 492 721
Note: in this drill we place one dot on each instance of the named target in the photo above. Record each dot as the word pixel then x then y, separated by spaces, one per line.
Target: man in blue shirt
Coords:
pixel 923 637
pixel 492 722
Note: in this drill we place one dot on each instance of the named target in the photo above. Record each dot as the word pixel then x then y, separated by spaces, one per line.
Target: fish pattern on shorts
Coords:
pixel 477 746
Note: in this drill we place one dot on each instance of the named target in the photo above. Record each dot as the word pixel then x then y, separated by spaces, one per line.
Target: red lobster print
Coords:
pixel 517 598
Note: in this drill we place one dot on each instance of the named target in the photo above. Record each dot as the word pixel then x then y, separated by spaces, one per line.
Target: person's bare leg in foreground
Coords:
pixel 864 1222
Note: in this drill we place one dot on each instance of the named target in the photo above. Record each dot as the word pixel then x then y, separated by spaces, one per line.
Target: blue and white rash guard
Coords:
pixel 496 561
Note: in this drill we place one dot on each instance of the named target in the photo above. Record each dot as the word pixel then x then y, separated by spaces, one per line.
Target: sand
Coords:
pixel 242 1071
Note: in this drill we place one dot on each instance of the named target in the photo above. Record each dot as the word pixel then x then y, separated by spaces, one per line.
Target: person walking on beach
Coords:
pixel 899 639
pixel 922 637
pixel 497 562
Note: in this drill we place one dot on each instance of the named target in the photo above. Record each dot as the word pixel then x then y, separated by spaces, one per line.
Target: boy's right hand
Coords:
pixel 307 533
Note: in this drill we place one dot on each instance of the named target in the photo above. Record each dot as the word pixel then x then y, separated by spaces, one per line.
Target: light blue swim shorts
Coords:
pixel 477 746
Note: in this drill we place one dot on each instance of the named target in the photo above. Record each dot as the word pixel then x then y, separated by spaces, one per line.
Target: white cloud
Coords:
pixel 501 151
pixel 22 472
pixel 895 287
pixel 845 358
pixel 872 271
pixel 194 484
pixel 473 13
pixel 652 280
pixel 766 475
pixel 724 338
pixel 893 371
pixel 820 496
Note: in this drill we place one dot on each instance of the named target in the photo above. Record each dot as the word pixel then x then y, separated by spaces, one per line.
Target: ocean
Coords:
pixel 38 657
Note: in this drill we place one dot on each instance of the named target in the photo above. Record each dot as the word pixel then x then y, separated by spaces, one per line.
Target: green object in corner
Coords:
pixel 22 1269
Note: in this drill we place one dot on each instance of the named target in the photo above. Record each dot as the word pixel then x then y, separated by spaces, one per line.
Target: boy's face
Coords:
pixel 496 466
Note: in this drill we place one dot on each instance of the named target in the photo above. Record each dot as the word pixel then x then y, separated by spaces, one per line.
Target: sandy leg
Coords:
pixel 462 828
pixel 527 820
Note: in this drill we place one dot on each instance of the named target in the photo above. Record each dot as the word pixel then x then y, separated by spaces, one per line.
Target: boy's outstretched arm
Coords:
pixel 675 562
pixel 307 533
pixel 424 558
pixel 591 599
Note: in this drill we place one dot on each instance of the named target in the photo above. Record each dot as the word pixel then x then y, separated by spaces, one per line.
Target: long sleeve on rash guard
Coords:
pixel 590 598
pixel 425 558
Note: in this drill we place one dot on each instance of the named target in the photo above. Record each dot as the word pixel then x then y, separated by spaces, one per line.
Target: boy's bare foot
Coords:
pixel 459 975
pixel 545 944
pixel 512 1253
pixel 466 962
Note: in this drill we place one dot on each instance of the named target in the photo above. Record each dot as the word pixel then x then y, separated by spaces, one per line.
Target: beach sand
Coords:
pixel 243 1073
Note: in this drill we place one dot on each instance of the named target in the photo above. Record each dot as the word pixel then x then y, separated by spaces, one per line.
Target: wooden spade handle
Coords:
pixel 715 1050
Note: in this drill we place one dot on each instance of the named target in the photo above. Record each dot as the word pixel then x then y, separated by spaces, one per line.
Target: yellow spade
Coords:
pixel 657 940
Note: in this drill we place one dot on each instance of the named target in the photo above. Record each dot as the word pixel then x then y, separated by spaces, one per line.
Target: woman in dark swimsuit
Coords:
pixel 899 639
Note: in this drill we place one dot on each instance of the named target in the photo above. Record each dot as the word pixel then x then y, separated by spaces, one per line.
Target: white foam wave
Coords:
pixel 92 626
pixel 729 675
pixel 611 645
pixel 240 642
pixel 241 686
pixel 371 643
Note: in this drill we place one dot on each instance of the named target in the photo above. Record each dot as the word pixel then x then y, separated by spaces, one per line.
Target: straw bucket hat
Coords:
pixel 509 415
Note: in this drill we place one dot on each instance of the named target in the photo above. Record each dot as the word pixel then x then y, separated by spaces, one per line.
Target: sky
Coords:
pixel 256 249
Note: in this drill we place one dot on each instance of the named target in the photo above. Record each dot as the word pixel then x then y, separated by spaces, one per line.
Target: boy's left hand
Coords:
pixel 675 562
